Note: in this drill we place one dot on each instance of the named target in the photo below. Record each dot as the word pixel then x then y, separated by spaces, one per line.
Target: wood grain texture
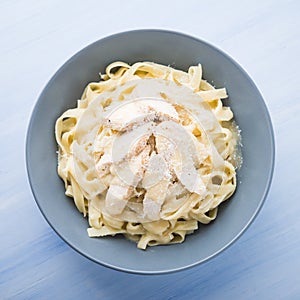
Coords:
pixel 38 36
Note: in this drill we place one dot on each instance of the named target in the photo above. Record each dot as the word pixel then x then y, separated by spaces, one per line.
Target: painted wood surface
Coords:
pixel 37 37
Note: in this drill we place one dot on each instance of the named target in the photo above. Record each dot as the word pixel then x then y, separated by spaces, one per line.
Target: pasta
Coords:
pixel 148 152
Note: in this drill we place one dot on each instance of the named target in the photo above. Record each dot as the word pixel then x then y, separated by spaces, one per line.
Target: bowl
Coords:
pixel 168 48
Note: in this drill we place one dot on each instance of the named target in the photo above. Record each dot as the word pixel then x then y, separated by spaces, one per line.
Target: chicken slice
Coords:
pixel 117 196
pixel 103 165
pixel 131 171
pixel 154 199
pixel 134 113
pixel 130 143
pixel 156 170
pixel 156 181
pixel 174 143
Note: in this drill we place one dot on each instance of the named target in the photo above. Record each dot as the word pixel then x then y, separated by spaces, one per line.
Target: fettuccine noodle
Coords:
pixel 148 152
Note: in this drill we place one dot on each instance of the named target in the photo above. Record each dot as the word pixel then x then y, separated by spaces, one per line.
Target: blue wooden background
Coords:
pixel 36 37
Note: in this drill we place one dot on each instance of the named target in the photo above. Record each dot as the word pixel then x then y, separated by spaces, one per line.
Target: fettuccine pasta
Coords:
pixel 148 152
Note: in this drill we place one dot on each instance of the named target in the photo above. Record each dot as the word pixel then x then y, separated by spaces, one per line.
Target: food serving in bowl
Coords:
pixel 148 152
pixel 95 185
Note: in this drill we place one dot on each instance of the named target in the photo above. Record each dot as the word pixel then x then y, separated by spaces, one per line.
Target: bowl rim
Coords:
pixel 269 127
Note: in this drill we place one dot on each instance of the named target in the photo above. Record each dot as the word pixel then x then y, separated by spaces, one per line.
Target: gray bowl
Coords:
pixel 180 51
